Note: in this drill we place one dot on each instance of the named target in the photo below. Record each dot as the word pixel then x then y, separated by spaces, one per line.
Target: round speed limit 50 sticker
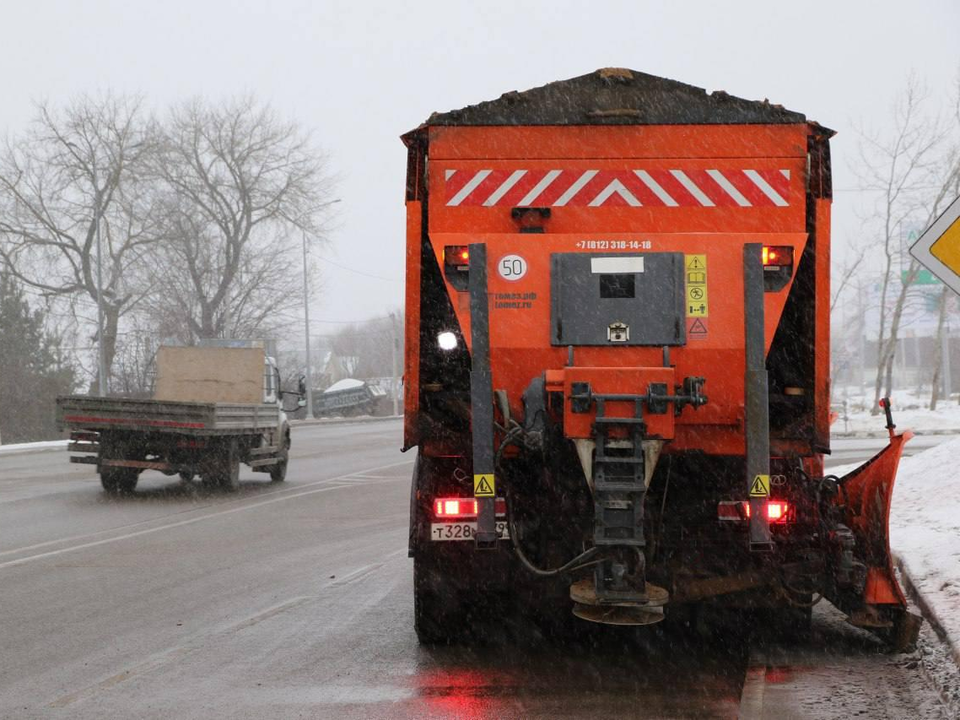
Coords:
pixel 512 267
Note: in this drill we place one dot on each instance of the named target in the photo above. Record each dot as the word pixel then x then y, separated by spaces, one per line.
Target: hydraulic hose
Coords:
pixel 577 563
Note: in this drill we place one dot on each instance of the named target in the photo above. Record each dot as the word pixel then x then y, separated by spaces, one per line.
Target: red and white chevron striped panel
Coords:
pixel 610 188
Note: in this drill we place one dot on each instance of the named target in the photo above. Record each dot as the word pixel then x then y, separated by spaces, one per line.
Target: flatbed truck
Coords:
pixel 209 437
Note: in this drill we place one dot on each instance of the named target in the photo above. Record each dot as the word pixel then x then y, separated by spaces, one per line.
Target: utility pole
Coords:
pixel 102 365
pixel 308 375
pixel 862 349
pixel 393 361
pixel 945 362
pixel 306 329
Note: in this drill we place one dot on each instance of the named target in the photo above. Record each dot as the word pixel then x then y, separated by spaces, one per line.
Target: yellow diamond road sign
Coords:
pixel 938 249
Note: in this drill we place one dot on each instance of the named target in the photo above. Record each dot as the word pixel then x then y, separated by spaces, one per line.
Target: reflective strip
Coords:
pixel 691 187
pixel 539 188
pixel 502 190
pixel 469 188
pixel 722 181
pixel 765 188
pixel 615 186
pixel 749 189
pixel 656 188
pixel 575 188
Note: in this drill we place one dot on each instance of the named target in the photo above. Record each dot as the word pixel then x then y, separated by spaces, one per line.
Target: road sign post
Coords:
pixel 938 249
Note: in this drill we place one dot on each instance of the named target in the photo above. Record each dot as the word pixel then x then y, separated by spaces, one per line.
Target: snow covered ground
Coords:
pixel 909 412
pixel 925 529
pixel 33 447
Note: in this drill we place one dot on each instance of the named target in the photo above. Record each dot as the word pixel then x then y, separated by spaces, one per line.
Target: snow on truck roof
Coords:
pixel 617 96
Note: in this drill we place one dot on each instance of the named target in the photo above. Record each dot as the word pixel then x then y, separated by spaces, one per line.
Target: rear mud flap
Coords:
pixel 868 491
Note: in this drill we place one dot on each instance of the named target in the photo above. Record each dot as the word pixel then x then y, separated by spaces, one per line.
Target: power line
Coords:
pixel 350 322
pixel 358 272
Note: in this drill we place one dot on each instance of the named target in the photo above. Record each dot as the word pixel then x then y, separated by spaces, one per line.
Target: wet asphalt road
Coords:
pixel 295 600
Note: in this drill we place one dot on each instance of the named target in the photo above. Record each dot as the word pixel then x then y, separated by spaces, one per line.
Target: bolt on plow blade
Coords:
pixel 881 605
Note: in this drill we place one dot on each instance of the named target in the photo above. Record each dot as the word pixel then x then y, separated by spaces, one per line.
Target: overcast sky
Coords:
pixel 358 74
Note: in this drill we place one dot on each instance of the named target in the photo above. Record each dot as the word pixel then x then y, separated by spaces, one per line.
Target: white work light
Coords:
pixel 447 341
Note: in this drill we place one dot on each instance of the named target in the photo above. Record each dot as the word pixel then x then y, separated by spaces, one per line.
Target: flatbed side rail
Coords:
pixel 76 412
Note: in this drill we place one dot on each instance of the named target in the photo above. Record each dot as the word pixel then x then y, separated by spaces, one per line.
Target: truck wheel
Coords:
pixel 225 470
pixel 278 472
pixel 434 605
pixel 119 480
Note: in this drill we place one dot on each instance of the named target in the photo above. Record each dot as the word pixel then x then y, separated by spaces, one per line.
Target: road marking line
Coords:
pixel 146 666
pixel 269 613
pixel 200 640
pixel 225 501
pixel 751 697
pixel 208 516
pixel 177 652
pixel 73 538
pixel 362 572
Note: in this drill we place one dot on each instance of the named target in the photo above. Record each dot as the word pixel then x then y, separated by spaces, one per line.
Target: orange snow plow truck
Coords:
pixel 617 364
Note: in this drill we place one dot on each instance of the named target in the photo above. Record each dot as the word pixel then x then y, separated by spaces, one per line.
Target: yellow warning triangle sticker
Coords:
pixel 760 486
pixel 483 486
pixel 695 264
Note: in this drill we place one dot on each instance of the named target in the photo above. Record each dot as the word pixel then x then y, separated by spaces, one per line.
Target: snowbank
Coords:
pixel 909 412
pixel 33 447
pixel 925 529
pixel 945 418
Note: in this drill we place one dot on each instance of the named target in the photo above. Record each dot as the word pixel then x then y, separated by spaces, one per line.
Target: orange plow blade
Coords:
pixel 866 497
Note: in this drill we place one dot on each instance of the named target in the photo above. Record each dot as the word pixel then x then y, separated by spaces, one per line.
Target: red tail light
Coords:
pixel 456 266
pixel 457 255
pixel 778 511
pixel 449 508
pixel 777 256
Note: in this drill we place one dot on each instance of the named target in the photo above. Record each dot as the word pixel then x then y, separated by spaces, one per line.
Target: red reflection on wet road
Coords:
pixel 465 692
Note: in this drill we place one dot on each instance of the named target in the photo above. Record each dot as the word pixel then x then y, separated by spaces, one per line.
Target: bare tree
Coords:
pixel 902 169
pixel 70 171
pixel 851 268
pixel 241 187
pixel 952 183
pixel 367 347
pixel 942 305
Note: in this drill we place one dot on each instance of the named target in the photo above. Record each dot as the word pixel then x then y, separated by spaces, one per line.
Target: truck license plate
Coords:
pixel 463 530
